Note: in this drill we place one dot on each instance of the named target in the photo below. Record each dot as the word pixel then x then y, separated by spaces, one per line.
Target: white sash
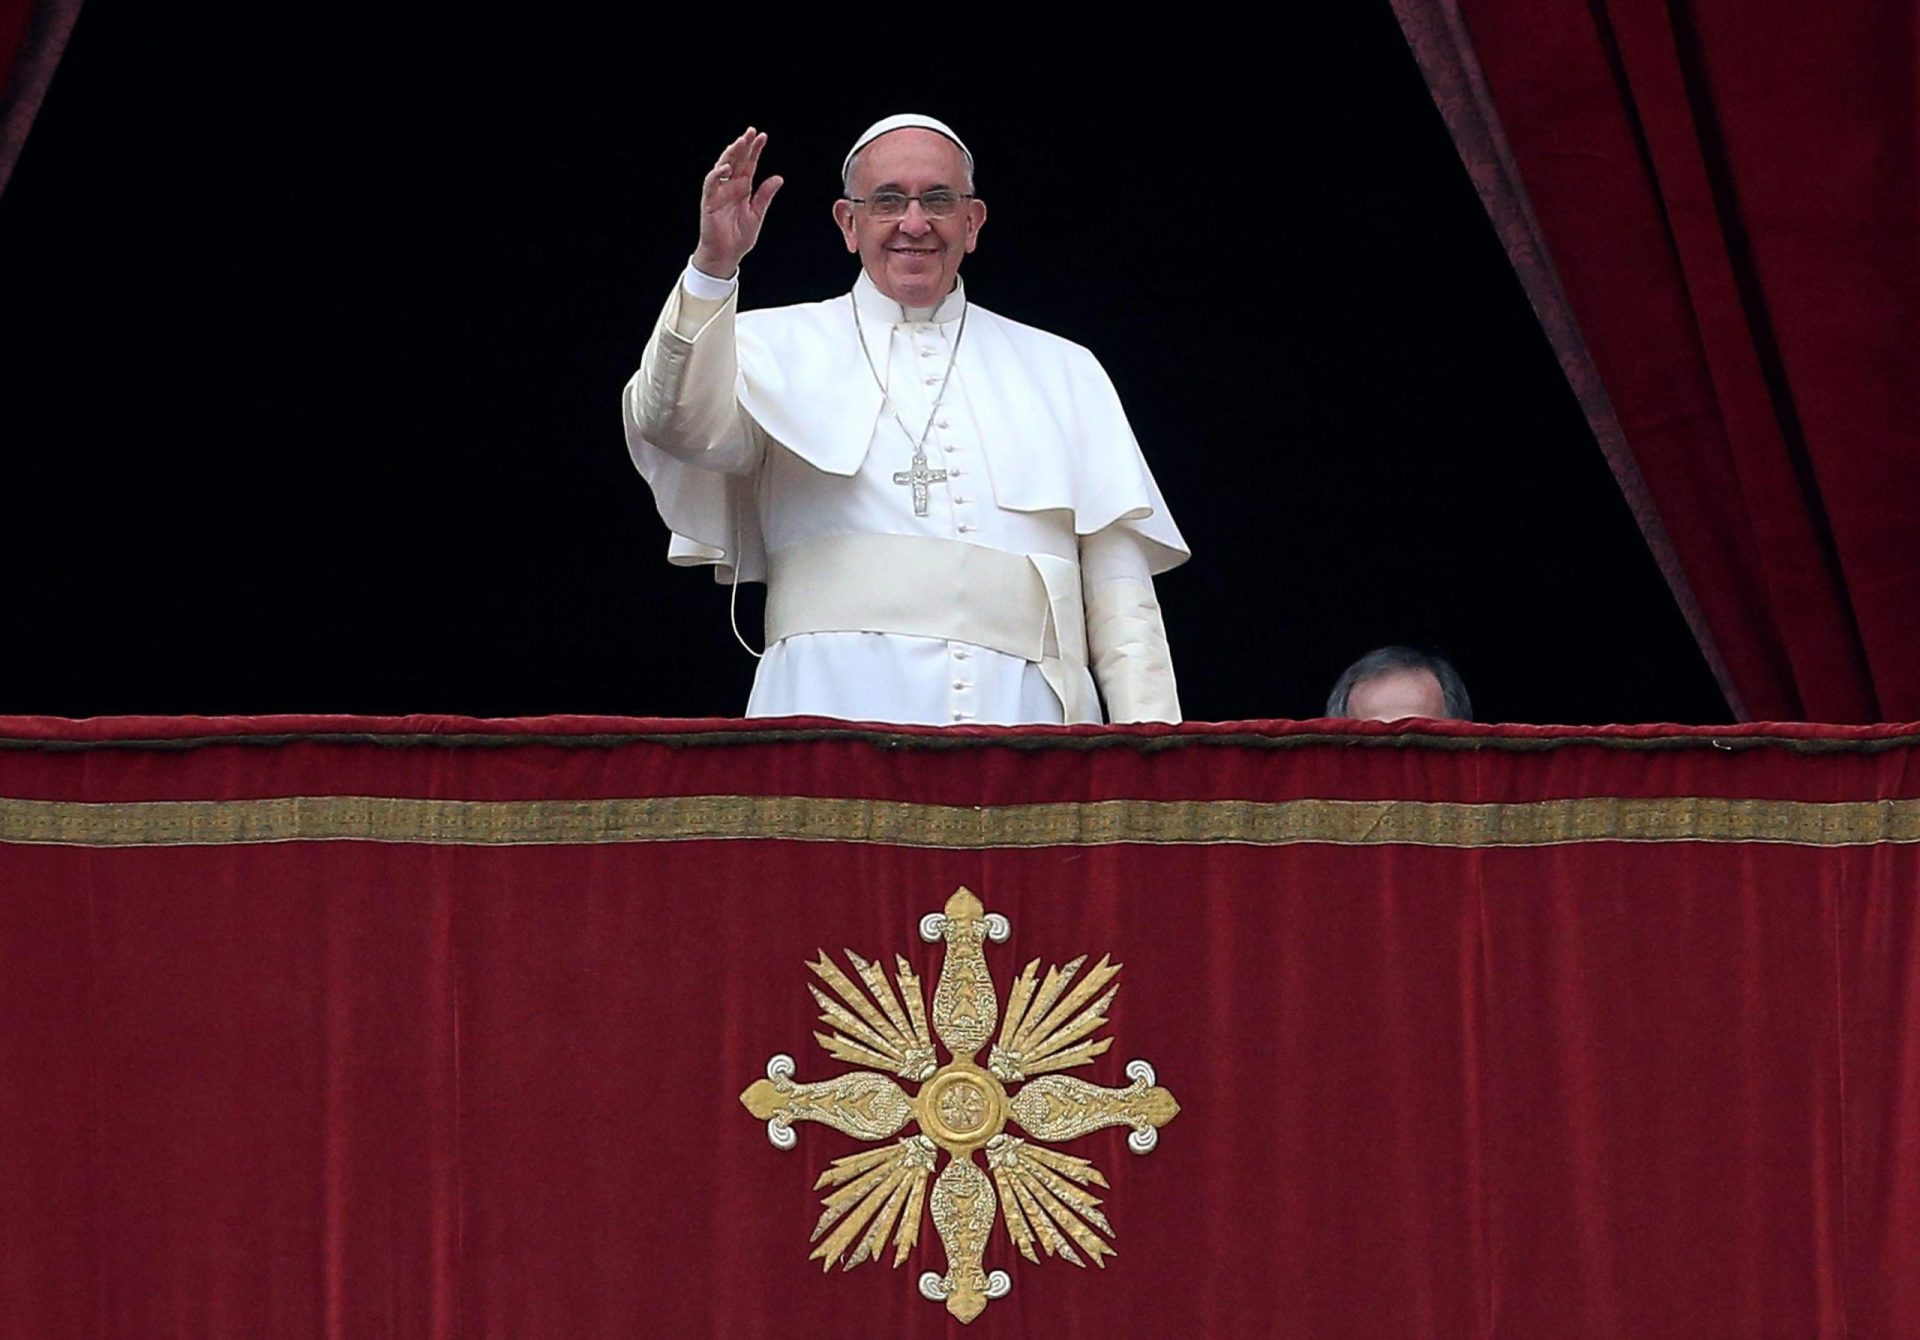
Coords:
pixel 1021 605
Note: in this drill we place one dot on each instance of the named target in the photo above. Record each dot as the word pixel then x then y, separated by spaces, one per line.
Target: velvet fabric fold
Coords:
pixel 1710 204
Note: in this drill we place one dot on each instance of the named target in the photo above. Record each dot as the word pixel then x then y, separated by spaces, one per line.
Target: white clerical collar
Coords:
pixel 877 308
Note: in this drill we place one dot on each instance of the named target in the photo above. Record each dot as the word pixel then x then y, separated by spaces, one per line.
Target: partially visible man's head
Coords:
pixel 915 257
pixel 1396 682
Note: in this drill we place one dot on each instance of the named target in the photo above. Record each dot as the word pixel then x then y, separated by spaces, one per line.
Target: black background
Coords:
pixel 313 335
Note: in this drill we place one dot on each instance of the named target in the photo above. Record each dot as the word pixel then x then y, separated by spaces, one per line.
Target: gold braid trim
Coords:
pixel 158 823
pixel 1145 740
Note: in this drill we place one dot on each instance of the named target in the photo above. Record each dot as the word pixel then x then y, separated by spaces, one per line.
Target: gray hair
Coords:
pixel 1391 660
pixel 853 166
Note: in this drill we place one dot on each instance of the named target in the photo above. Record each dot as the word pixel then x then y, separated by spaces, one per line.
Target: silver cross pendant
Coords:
pixel 919 477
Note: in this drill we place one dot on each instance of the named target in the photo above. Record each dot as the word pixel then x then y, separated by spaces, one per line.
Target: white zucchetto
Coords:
pixel 904 121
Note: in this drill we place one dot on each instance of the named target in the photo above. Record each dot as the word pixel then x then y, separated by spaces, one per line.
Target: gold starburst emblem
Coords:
pixel 962 1107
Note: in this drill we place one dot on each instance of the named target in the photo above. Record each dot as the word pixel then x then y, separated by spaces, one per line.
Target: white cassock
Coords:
pixel 772 451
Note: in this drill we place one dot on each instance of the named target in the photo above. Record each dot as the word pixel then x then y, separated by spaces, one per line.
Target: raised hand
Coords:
pixel 731 210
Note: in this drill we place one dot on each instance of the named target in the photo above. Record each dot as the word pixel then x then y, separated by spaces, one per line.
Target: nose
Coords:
pixel 915 222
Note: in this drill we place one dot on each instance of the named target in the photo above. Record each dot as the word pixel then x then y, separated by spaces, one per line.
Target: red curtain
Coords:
pixel 33 34
pixel 1712 205
pixel 437 1027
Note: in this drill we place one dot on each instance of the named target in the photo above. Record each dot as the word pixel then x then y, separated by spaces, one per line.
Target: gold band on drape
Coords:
pixel 957 827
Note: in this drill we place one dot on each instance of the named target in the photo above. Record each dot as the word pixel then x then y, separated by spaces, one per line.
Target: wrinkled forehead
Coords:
pixel 912 157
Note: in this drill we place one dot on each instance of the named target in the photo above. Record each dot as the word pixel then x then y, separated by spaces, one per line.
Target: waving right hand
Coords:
pixel 731 210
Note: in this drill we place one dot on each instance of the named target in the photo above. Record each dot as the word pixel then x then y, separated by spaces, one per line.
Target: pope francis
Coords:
pixel 950 512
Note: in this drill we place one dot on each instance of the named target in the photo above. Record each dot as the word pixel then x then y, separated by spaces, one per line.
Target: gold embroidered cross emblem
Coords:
pixel 962 1107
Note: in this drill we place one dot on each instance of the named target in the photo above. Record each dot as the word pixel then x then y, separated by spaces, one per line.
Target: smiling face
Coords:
pixel 914 259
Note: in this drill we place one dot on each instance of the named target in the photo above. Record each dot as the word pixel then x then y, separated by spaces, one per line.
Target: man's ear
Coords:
pixel 976 220
pixel 843 215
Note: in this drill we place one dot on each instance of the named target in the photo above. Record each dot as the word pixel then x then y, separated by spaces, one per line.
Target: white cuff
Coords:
pixel 1128 644
pixel 700 284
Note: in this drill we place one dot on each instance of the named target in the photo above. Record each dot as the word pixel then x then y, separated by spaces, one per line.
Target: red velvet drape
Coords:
pixel 1713 206
pixel 437 1027
pixel 33 35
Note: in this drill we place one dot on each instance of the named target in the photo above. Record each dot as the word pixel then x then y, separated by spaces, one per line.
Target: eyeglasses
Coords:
pixel 886 206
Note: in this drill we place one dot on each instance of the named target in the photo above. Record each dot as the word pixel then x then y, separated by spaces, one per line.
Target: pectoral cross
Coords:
pixel 919 477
